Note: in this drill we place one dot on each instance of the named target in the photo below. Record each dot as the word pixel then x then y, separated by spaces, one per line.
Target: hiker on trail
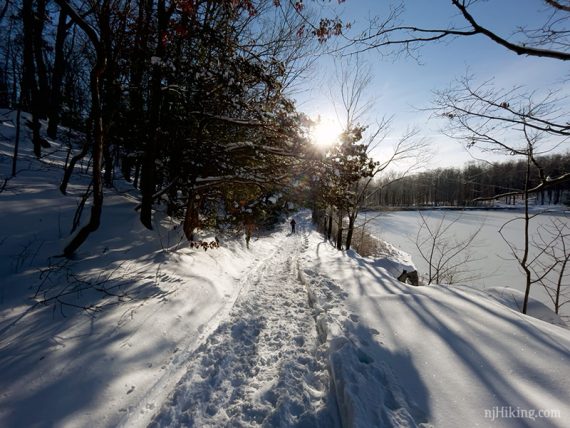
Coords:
pixel 249 226
pixel 293 222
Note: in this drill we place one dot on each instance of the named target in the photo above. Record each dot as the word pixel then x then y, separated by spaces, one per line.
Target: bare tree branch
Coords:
pixel 518 49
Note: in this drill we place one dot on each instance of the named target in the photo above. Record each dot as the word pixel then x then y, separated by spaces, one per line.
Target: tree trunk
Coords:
pixel 191 218
pixel 96 115
pixel 109 165
pixel 524 260
pixel 30 93
pixel 330 225
pixel 57 77
pixel 350 231
pixel 339 231
pixel 28 66
pixel 17 142
pixel 99 142
pixel 4 99
pixel 43 87
pixel 137 174
pixel 136 112
pixel 559 284
pixel 69 168
pixel 148 171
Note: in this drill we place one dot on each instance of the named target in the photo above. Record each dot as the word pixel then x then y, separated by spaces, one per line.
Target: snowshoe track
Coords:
pixel 263 366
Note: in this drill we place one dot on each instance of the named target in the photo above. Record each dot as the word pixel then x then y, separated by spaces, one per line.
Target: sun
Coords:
pixel 325 132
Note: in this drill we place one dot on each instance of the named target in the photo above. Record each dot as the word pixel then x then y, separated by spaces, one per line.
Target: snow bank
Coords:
pixel 514 299
pixel 441 356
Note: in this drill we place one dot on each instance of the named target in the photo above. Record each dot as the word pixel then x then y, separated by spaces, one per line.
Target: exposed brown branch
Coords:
pixel 518 49
pixel 558 5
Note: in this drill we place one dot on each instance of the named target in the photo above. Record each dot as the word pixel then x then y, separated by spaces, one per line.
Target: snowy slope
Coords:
pixel 159 300
pixel 443 356
pixel 288 333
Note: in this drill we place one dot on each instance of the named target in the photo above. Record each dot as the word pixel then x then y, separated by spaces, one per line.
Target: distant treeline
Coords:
pixel 462 186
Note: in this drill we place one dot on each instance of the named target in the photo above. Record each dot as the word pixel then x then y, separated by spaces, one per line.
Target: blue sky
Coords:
pixel 402 86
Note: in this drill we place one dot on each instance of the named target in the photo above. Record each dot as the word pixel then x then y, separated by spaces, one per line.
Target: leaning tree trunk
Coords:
pixel 98 145
pixel 96 114
pixel 71 166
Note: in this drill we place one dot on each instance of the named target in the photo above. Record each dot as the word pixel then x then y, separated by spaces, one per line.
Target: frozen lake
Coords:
pixel 493 260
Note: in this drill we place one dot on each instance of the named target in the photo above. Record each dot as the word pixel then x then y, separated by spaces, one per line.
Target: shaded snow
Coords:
pixel 514 299
pixel 437 355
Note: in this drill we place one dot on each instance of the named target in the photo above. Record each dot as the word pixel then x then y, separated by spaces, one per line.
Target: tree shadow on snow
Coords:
pixel 487 351
pixel 61 360
pixel 371 382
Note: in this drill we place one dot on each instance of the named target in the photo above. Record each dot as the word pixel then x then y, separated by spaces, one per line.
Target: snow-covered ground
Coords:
pixel 264 363
pixel 289 332
pixel 437 355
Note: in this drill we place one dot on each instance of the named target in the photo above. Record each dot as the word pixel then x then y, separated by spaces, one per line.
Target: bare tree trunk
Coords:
pixel 43 87
pixel 28 66
pixel 57 77
pixel 148 171
pixel 330 224
pixel 136 110
pixel 524 259
pixel 137 174
pixel 339 231
pixel 350 230
pixel 30 93
pixel 191 218
pixel 96 114
pixel 4 100
pixel 17 142
pixel 108 160
pixel 559 284
pixel 69 168
pixel 97 206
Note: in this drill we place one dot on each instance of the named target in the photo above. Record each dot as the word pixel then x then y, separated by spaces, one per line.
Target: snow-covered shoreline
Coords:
pixel 441 356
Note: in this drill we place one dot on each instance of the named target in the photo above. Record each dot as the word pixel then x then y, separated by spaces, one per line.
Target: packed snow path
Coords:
pixel 264 365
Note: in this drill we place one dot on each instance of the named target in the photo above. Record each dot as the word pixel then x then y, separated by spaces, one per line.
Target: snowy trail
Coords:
pixel 264 365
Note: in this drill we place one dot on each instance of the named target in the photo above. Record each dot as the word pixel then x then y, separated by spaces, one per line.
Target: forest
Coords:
pixel 186 100
pixel 475 184
pixel 191 102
